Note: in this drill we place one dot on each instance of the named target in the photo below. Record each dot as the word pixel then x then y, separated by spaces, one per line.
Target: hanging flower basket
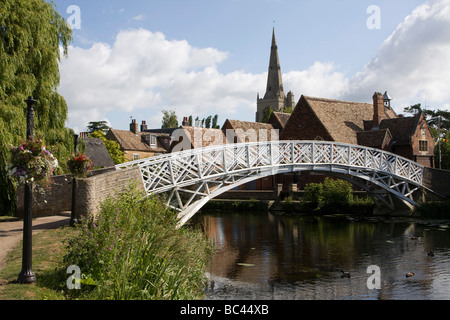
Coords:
pixel 32 162
pixel 79 165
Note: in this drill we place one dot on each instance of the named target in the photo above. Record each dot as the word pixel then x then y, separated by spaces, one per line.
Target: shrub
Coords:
pixel 331 195
pixel 132 250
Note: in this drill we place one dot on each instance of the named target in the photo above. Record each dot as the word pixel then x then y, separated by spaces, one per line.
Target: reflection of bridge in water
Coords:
pixel 191 178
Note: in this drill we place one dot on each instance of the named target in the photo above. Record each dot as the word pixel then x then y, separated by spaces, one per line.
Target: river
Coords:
pixel 265 256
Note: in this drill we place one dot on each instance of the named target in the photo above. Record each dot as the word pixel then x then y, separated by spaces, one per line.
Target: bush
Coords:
pixel 331 195
pixel 132 250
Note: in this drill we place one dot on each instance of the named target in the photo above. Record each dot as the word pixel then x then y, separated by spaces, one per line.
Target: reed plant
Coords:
pixel 132 250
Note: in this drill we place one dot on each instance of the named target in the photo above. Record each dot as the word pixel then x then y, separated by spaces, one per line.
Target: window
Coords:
pixel 423 145
pixel 135 156
pixel 153 140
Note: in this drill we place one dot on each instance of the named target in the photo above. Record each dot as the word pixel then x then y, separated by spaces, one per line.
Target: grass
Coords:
pixel 130 251
pixel 48 252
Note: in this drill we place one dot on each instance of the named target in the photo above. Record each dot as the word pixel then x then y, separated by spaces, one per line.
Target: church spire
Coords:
pixel 274 82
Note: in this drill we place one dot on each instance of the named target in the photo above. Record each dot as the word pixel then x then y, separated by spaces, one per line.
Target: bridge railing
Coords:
pixel 164 172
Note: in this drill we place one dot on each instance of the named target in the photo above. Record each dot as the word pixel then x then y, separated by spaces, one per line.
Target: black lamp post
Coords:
pixel 26 275
pixel 73 215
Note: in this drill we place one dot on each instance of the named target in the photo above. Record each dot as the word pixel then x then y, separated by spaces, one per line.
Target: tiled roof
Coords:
pixel 279 119
pixel 254 131
pixel 374 138
pixel 197 137
pixel 401 129
pixel 342 119
pixel 96 151
pixel 130 141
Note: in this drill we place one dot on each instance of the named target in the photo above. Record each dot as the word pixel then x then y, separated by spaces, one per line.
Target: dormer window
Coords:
pixel 153 140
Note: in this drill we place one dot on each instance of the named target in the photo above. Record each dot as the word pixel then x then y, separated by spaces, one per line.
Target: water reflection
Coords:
pixel 265 256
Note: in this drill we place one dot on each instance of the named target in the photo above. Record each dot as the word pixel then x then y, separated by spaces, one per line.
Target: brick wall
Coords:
pixel 91 192
pixel 438 181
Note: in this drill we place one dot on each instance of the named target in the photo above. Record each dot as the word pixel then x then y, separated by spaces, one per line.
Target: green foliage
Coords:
pixel 435 209
pixel 267 113
pixel 215 121
pixel 445 152
pixel 331 195
pixel 31 33
pixel 169 119
pixel 113 147
pixel 98 126
pixel 132 250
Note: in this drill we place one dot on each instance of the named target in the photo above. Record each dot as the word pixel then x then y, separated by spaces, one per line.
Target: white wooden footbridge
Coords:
pixel 191 178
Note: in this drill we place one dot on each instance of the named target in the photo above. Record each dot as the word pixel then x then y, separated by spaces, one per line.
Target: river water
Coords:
pixel 262 256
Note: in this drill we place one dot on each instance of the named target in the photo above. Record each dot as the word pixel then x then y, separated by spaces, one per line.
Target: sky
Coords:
pixel 133 59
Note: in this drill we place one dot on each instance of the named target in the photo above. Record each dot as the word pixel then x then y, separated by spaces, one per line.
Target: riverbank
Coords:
pixel 428 210
pixel 287 206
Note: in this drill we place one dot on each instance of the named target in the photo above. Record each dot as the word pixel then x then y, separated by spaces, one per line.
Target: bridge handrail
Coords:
pixel 402 167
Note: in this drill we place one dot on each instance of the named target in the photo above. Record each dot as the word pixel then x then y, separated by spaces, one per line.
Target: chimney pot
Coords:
pixel 133 126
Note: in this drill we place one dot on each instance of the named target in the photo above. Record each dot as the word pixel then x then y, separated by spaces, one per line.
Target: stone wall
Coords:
pixel 438 181
pixel 91 192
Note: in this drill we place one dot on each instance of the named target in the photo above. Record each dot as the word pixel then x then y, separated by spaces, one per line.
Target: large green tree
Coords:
pixel 169 119
pixel 32 33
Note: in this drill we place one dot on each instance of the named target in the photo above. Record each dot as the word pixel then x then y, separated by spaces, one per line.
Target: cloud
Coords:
pixel 143 72
pixel 139 17
pixel 412 63
pixel 320 80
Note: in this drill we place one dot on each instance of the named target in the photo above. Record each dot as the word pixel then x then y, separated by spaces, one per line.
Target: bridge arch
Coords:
pixel 193 177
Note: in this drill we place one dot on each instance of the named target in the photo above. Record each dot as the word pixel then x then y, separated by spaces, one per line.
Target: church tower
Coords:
pixel 275 96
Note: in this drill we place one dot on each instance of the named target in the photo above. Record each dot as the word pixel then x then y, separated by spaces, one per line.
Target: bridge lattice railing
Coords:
pixel 165 172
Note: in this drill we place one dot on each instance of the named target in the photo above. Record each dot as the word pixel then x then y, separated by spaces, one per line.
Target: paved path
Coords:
pixel 11 233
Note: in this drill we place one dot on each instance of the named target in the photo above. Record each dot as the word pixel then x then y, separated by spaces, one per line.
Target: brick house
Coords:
pixel 374 125
pixel 139 145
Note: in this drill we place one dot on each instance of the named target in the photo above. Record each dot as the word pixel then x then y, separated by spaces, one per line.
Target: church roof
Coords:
pixel 274 81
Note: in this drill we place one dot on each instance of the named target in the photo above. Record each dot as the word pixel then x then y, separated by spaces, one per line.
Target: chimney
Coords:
pixel 185 122
pixel 378 110
pixel 143 126
pixel 134 126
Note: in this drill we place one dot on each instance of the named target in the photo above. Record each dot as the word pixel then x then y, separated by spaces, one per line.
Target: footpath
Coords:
pixel 11 233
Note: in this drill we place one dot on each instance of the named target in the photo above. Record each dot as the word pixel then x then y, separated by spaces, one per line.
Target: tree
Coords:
pixel 113 147
pixel 215 122
pixel 437 119
pixel 31 34
pixel 98 125
pixel 208 122
pixel 169 119
pixel 267 113
pixel 190 121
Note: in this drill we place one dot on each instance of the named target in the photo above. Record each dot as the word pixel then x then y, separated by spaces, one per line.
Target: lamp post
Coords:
pixel 73 215
pixel 439 141
pixel 26 275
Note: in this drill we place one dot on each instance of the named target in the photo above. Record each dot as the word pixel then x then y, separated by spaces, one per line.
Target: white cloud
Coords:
pixel 143 72
pixel 139 17
pixel 412 63
pixel 320 80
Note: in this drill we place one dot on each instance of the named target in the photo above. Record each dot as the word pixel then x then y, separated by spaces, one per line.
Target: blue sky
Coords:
pixel 205 57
